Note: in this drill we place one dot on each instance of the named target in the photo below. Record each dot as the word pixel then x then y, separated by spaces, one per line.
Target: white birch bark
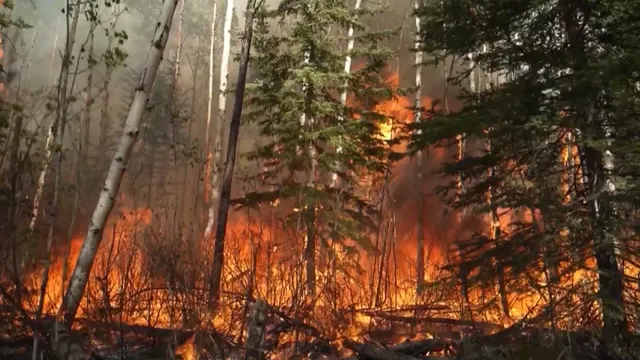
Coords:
pixel 347 70
pixel 309 254
pixel 221 120
pixel 420 261
pixel 207 141
pixel 37 198
pixel 56 132
pixel 80 276
pixel 176 75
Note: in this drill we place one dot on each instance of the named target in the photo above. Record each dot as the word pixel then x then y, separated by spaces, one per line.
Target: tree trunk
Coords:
pixel 598 167
pixel 220 122
pixel 207 135
pixel 460 139
pixel 420 261
pixel 493 218
pixel 227 176
pixel 8 60
pixel 343 95
pixel 173 109
pixel 63 80
pixel 310 250
pixel 88 100
pixel 176 74
pixel 185 175
pixel 255 333
pixel 80 276
pixel 105 123
pixel 57 132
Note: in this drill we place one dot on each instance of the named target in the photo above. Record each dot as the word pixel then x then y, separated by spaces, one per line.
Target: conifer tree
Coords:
pixel 296 104
pixel 564 70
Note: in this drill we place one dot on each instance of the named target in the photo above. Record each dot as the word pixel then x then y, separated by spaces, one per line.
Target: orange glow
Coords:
pixel 188 349
pixel 263 260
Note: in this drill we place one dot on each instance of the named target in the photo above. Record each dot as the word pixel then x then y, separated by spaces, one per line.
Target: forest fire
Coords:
pixel 138 280
pixel 130 283
pixel 502 223
pixel 111 272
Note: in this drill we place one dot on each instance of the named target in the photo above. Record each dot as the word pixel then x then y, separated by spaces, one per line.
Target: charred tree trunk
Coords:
pixel 598 167
pixel 310 250
pixel 81 272
pixel 255 333
pixel 227 177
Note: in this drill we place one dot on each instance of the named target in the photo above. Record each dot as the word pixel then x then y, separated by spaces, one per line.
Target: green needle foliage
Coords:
pixel 300 158
pixel 556 76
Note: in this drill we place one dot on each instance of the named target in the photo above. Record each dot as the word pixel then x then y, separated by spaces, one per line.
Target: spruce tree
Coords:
pixel 565 85
pixel 295 103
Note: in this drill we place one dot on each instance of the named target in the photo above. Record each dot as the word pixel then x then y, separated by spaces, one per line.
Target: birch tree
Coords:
pixel 207 135
pixel 420 261
pixel 80 276
pixel 57 132
pixel 221 118
pixel 62 93
pixel 234 132
pixel 347 70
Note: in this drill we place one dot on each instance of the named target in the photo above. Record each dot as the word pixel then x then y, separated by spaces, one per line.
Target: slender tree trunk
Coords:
pixel 174 110
pixel 227 177
pixel 57 132
pixel 222 115
pixel 420 261
pixel 257 324
pixel 8 61
pixel 207 135
pixel 88 100
pixel 460 139
pixel 343 95
pixel 105 123
pixel 37 198
pixel 185 175
pixel 176 74
pixel 80 276
pixel 598 169
pixel 493 219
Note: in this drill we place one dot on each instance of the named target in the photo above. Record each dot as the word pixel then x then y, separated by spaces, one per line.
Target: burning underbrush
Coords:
pixel 150 281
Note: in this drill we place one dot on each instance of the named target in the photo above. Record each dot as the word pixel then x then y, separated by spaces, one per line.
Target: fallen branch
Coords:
pixel 433 320
pixel 372 352
pixel 422 346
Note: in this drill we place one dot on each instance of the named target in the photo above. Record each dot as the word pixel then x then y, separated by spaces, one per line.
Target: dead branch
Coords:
pixel 372 352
